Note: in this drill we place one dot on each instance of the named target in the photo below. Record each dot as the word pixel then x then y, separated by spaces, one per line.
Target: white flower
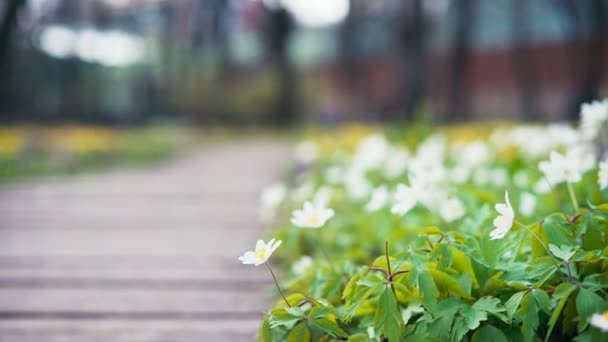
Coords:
pixel 451 210
pixel 600 321
pixel 542 186
pixel 270 198
pixel 593 116
pixel 474 154
pixel 302 265
pixel 312 216
pixel 322 196
pixel 371 152
pixel 602 175
pixel 504 221
pixel 356 184
pixel 396 163
pixel 262 252
pixel 405 199
pixel 527 204
pixel 306 152
pixel 569 167
pixel 379 199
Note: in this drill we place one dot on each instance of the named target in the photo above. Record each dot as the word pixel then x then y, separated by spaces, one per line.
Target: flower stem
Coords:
pixel 277 284
pixel 542 244
pixel 572 196
pixel 388 262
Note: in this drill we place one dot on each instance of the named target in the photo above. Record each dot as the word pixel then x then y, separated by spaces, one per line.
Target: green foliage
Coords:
pixel 447 280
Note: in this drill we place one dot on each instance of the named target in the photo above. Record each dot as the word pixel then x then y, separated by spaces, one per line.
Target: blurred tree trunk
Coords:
pixel 522 59
pixel 6 29
pixel 595 57
pixel 279 32
pixel 459 101
pixel 414 49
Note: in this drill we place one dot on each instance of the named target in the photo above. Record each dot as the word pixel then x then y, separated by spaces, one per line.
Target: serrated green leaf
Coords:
pixel 563 252
pixel 493 306
pixel 587 303
pixel 388 317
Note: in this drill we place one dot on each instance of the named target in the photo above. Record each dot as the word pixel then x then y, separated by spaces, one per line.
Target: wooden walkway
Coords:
pixel 138 255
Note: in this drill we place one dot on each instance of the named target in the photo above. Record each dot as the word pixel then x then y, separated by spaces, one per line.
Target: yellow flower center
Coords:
pixel 261 253
pixel 605 315
pixel 314 219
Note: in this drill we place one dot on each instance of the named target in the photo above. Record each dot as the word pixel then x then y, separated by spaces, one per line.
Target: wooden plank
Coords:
pixel 117 330
pixel 110 301
pixel 198 243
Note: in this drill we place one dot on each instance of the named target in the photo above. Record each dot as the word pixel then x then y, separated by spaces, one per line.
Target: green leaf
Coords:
pixel 280 317
pixel 541 268
pixel 319 312
pixel 491 305
pixel 447 283
pixel 563 252
pixel 299 333
pixel 428 290
pixel 388 316
pixel 473 316
pixel 562 292
pixel 554 227
pixel 358 338
pixel 461 262
pixel 529 317
pixel 513 303
pixel 330 326
pixel 265 333
pixel 488 333
pixel 587 303
pixel 361 294
pixel 542 299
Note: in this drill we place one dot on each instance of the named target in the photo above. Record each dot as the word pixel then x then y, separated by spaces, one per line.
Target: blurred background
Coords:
pixel 209 95
pixel 280 62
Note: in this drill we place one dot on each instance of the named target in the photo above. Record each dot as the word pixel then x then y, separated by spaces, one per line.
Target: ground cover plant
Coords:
pixel 455 234
pixel 30 150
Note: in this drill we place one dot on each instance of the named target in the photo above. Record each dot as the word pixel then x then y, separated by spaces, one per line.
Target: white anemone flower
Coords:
pixel 504 221
pixel 451 210
pixel 302 265
pixel 311 216
pixel 262 252
pixel 405 200
pixel 593 116
pixel 603 175
pixel 600 321
pixel 396 163
pixel 270 199
pixel 567 168
pixel 527 204
pixel 379 199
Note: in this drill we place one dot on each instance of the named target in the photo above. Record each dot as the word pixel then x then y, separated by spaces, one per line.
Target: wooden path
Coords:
pixel 138 255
